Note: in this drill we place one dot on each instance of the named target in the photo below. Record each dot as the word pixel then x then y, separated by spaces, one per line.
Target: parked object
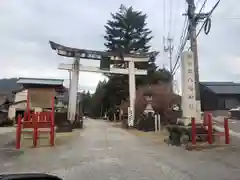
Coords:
pixel 234 113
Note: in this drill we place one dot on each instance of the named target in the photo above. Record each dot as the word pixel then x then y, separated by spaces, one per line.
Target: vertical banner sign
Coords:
pixel 132 89
pixel 188 85
pixel 130 117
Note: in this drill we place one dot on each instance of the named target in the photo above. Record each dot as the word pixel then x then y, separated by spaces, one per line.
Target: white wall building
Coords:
pixel 20 103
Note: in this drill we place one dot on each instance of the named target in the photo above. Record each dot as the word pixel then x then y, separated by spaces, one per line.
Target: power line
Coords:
pixel 206 25
pixel 183 41
pixel 164 17
pixel 170 17
pixel 208 17
pixel 203 5
pixel 175 67
pixel 178 66
pixel 175 16
pixel 169 47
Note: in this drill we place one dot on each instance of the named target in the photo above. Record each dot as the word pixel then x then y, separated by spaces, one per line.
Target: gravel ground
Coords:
pixel 102 151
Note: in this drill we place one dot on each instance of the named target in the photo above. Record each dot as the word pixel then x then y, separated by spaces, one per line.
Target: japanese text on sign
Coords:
pixel 190 82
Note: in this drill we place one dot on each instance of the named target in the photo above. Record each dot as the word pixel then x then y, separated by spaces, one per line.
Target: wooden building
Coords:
pixel 40 92
pixel 219 95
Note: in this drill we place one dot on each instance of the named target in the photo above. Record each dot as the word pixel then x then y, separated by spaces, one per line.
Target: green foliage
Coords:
pixel 126 33
pixel 97 100
pixel 86 101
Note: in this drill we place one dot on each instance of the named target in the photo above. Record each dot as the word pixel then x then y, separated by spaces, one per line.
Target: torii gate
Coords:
pixel 78 54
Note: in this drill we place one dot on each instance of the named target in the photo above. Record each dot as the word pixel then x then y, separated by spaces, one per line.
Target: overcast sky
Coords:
pixel 28 25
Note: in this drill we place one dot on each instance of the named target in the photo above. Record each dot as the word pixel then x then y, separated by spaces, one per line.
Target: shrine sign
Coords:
pixel 188 85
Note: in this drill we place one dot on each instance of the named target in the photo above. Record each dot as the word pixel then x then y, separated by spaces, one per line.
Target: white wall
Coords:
pixel 21 96
pixel 37 109
pixel 11 112
pixel 12 109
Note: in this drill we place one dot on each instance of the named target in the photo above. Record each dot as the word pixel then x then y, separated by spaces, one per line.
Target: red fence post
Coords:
pixel 40 116
pixel 193 131
pixel 18 131
pixel 35 128
pixel 205 117
pixel 226 131
pixel 28 106
pixel 45 116
pixel 210 129
pixel 52 128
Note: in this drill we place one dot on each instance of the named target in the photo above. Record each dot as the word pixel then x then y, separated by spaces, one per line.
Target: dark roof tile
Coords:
pixel 223 87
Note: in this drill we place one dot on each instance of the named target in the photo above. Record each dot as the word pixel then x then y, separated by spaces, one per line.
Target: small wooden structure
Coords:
pixel 40 92
pixel 36 123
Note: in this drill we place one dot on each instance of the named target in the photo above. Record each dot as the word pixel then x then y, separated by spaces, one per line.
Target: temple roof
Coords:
pixel 92 54
pixel 38 81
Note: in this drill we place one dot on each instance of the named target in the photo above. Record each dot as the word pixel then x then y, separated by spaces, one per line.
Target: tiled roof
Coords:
pixel 223 87
pixel 40 81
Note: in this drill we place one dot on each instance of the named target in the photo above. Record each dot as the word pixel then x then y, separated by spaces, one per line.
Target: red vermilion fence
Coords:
pixel 36 122
pixel 208 125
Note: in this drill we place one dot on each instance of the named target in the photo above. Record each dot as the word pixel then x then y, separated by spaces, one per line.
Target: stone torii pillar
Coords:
pixel 73 90
pixel 132 90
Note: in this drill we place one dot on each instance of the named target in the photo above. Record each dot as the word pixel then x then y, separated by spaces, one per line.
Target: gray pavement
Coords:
pixel 104 152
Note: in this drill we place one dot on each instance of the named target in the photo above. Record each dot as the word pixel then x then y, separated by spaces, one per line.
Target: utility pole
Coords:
pixel 169 49
pixel 193 19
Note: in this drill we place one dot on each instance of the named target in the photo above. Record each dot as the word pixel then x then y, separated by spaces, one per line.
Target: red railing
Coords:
pixel 36 122
pixel 208 125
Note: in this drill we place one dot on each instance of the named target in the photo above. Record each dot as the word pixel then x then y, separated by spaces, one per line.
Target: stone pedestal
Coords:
pixel 64 128
pixel 186 121
pixel 63 125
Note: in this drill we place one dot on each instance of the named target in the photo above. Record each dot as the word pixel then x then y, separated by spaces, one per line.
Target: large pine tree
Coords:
pixel 126 33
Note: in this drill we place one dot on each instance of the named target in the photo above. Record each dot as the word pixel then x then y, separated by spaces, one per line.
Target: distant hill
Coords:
pixel 8 85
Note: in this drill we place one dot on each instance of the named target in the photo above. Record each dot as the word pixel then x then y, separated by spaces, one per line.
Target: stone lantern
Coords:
pixel 148 96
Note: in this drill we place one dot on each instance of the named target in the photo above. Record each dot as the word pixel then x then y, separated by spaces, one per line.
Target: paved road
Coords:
pixel 104 152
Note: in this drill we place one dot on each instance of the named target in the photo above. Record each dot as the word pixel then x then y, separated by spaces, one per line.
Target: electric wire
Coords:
pixel 183 41
pixel 207 23
pixel 206 26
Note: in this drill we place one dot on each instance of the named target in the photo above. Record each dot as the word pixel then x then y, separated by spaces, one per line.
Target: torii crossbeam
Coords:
pixel 78 54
